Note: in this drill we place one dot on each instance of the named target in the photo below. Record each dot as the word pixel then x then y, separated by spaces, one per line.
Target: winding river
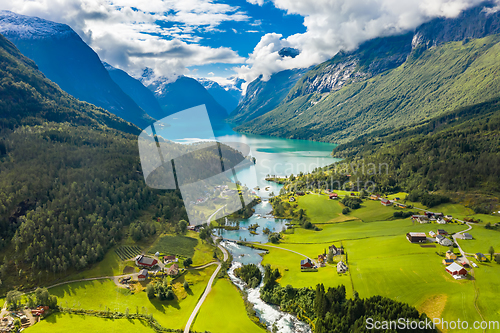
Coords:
pixel 280 157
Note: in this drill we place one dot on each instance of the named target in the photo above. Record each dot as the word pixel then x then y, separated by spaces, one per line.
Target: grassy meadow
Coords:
pixel 102 294
pixel 224 311
pixel 63 322
pixel 382 261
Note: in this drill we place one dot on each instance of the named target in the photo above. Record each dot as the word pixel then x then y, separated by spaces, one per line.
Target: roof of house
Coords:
pixel 454 267
pixel 441 230
pixel 417 234
pixel 448 260
pixel 450 251
pixel 384 200
pixel 143 272
pixel 479 254
pixel 147 260
pixel 305 261
pixel 173 269
pixel 439 237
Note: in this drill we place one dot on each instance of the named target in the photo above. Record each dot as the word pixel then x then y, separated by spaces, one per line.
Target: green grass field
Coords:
pixel 383 262
pixel 97 295
pixel 175 244
pixel 483 239
pixel 224 311
pixel 319 208
pixel 62 323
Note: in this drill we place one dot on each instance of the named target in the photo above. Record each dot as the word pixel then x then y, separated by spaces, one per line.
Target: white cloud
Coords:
pixel 333 25
pixel 131 34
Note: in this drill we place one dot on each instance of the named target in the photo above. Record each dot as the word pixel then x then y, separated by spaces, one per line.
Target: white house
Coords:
pixel 341 267
pixel 443 240
pixel 465 236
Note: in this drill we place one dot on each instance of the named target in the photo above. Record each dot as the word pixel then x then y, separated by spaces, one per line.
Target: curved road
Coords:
pixel 281 248
pixel 207 290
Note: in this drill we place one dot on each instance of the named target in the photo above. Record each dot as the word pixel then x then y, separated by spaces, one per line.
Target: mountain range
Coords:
pixel 66 60
pixel 388 82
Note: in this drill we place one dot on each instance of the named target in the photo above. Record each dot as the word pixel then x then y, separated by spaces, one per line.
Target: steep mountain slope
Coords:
pixel 227 100
pixel 389 82
pixel 66 60
pixel 263 96
pixel 457 151
pixel 141 95
pixel 27 97
pixel 183 93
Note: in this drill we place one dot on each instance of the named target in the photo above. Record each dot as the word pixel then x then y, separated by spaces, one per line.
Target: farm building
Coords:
pixel 443 240
pixel 432 234
pixel 169 258
pixel 465 236
pixel 173 270
pixel 143 261
pixel 143 275
pixel 420 218
pixel 441 221
pixel 292 199
pixel 334 196
pixel 480 257
pixel 448 262
pixel 335 250
pixel 322 260
pixel 341 267
pixel 374 197
pixel 442 232
pixel 400 205
pixel 385 202
pixel 306 263
pixel 457 271
pixel 450 255
pixel 416 237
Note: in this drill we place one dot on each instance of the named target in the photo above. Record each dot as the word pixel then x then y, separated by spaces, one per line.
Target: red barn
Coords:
pixel 143 261
pixel 306 263
pixel 456 271
pixel 334 196
pixel 385 202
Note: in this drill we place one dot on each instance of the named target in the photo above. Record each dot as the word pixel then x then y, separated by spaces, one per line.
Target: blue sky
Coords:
pixel 242 36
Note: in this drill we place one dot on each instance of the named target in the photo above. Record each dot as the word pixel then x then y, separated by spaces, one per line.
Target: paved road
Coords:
pixel 207 290
pixel 455 239
pixel 282 248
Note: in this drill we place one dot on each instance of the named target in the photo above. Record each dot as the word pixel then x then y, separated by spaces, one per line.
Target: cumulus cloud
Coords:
pixel 133 35
pixel 334 25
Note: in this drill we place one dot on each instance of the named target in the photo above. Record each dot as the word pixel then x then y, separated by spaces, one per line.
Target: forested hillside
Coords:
pixel 70 178
pixel 430 83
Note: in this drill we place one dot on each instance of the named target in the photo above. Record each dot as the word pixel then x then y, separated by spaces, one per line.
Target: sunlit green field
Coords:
pixel 319 208
pixel 224 311
pixel 383 262
pixel 483 239
pixel 62 323
pixel 97 295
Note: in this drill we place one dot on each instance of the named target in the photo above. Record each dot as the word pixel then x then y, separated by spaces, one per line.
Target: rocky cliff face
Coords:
pixel 381 54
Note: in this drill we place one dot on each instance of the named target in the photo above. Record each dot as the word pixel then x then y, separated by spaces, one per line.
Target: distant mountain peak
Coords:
pixel 288 52
pixel 29 27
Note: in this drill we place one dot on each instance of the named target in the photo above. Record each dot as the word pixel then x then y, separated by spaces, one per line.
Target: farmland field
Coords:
pixel 224 299
pixel 170 314
pixel 127 252
pixel 175 245
pixel 319 208
pixel 62 323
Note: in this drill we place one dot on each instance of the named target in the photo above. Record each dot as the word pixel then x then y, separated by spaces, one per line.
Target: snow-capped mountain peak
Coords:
pixel 14 25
